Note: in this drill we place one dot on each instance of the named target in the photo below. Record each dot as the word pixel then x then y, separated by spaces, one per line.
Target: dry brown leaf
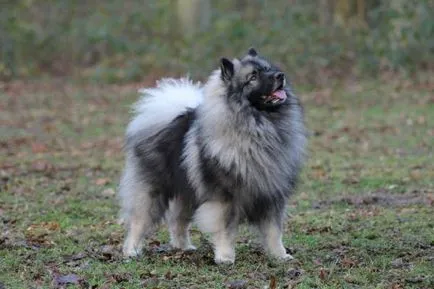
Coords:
pixel 396 286
pixel 102 181
pixel 168 275
pixel 48 226
pixel 416 175
pixel 41 166
pixel 273 282
pixel 38 147
pixel 61 281
pixel 322 274
pixel 319 174
pixel 348 263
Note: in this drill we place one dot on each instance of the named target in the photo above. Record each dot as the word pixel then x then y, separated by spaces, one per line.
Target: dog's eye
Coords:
pixel 253 76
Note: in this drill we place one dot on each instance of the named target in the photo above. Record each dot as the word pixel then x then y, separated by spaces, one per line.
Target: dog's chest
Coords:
pixel 253 165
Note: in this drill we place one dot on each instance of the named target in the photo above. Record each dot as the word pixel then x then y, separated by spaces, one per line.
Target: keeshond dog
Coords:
pixel 214 155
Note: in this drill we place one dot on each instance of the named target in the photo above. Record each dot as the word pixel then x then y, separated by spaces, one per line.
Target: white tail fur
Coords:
pixel 158 106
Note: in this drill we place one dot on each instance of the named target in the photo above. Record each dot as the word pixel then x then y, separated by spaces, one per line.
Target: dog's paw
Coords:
pixel 121 221
pixel 224 259
pixel 285 258
pixel 131 252
pixel 189 248
pixel 183 247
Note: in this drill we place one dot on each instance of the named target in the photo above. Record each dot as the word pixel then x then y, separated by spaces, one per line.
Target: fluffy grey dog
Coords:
pixel 214 155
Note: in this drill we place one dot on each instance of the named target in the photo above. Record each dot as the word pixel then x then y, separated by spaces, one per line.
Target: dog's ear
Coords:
pixel 227 69
pixel 252 52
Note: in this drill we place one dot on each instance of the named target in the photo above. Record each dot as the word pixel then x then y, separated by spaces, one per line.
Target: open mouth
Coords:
pixel 276 97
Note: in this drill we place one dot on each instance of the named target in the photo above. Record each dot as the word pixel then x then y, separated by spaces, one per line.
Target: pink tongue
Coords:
pixel 280 94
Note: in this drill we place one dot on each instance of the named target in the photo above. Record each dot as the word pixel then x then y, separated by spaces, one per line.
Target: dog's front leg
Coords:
pixel 221 222
pixel 224 246
pixel 271 232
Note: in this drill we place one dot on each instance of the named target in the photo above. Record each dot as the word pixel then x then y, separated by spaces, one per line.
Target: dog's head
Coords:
pixel 254 79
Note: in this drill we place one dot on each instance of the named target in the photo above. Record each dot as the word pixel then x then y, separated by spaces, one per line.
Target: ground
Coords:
pixel 362 217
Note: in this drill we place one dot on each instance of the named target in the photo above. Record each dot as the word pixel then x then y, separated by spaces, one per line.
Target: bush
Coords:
pixel 116 41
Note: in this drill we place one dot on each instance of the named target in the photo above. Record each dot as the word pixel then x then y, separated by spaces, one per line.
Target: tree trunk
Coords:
pixel 342 11
pixel 194 16
pixel 361 12
pixel 325 12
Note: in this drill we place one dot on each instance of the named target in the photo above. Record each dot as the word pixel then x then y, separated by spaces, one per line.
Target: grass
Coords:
pixel 362 217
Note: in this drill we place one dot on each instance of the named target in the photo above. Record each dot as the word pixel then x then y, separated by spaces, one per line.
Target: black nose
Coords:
pixel 279 76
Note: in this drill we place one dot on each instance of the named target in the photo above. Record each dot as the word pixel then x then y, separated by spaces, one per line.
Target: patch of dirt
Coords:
pixel 382 197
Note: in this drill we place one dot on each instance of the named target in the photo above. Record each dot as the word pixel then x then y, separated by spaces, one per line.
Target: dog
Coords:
pixel 215 155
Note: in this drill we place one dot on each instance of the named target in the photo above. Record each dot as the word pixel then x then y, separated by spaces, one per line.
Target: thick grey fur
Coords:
pixel 227 159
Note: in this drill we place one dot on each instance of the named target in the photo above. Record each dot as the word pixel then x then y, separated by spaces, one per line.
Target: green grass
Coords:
pixel 362 217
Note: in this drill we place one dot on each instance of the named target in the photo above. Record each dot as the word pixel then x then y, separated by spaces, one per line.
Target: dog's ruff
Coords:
pixel 196 154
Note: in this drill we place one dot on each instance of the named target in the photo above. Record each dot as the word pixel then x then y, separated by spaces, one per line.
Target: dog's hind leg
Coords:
pixel 139 224
pixel 137 212
pixel 178 221
pixel 137 227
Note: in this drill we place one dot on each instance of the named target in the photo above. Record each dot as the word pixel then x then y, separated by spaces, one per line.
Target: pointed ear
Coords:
pixel 227 69
pixel 252 52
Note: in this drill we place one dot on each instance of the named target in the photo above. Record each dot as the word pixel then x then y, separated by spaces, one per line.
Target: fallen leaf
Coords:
pixel 322 274
pixel 416 174
pixel 108 192
pixel 236 284
pixel 75 257
pixel 397 263
pixel 154 243
pixel 319 174
pixel 350 279
pixel 417 279
pixel 102 181
pixel 421 120
pixel 430 199
pixel 168 275
pixel 294 273
pixel 352 180
pixel 272 282
pixel 257 276
pixel 149 282
pixel 49 226
pixel 67 279
pixel 105 285
pixel 396 286
pixel 348 263
pixel 41 166
pixel 304 196
pixel 38 147
pixel 108 252
pixel 118 277
pixel 291 284
pixel 38 234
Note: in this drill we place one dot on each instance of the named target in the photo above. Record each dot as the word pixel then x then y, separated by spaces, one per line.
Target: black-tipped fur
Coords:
pixel 232 157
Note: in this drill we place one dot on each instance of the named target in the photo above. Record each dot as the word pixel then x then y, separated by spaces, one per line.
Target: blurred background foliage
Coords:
pixel 118 41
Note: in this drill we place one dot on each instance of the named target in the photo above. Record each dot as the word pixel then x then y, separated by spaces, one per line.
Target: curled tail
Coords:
pixel 158 106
